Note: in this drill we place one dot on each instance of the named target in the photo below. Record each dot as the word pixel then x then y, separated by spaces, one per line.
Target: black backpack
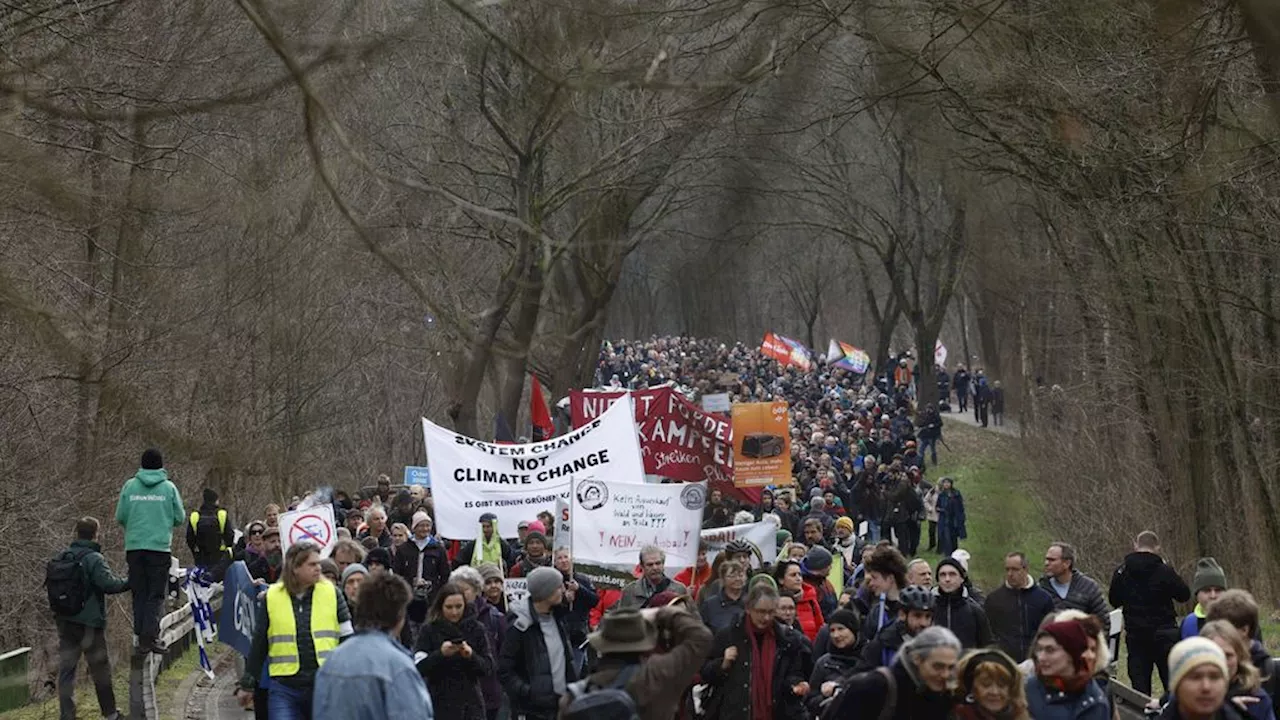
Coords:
pixel 68 586
pixel 611 702
pixel 208 532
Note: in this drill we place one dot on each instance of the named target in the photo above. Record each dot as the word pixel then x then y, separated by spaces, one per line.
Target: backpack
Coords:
pixel 612 702
pixel 68 586
pixel 208 532
pixel 831 709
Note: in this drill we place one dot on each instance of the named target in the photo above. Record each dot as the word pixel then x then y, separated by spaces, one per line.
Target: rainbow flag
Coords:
pixel 786 351
pixel 844 355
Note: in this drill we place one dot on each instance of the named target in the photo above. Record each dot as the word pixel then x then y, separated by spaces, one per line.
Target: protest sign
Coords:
pixel 516 591
pixel 762 536
pixel 417 476
pixel 235 621
pixel 516 482
pixel 612 522
pixel 314 525
pixel 563 537
pixel 680 440
pixel 716 402
pixel 761 444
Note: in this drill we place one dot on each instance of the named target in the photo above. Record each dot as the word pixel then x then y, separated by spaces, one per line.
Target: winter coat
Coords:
pixel 577 614
pixel 809 612
pixel 525 565
pixel 494 622
pixel 718 612
pixel 836 666
pixel 435 567
pixel 654 684
pixel 997 400
pixel 1084 594
pixel 883 648
pixel 951 513
pixel 149 508
pixel 636 594
pixel 210 537
pixel 100 582
pixel 260 567
pixel 454 682
pixel 873 623
pixel 384 540
pixel 730 697
pixel 930 423
pixel 902 503
pixel 1046 704
pixel 866 693
pixel 868 497
pixel 930 500
pixel 525 665
pixel 1146 589
pixel 963 616
pixel 1015 616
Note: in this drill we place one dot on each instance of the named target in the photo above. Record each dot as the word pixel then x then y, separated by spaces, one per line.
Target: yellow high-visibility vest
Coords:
pixel 282 632
pixel 222 528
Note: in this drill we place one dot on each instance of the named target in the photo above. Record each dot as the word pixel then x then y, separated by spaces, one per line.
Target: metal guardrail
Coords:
pixel 1129 703
pixel 177 632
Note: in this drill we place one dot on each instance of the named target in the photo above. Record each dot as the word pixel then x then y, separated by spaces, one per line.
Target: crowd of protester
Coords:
pixel 851 619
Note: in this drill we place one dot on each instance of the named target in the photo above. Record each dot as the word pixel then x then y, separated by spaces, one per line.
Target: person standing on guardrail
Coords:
pixel 149 508
pixel 1145 588
pixel 293 654
pixel 85 629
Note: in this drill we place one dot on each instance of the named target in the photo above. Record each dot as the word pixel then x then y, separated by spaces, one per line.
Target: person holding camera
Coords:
pixel 424 564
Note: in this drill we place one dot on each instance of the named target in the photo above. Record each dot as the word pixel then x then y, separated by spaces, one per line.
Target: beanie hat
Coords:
pixel 1073 638
pixel 420 516
pixel 352 569
pixel 489 571
pixel 327 565
pixel 543 582
pixel 944 562
pixel 378 556
pixel 536 535
pixel 845 617
pixel 488 517
pixel 152 459
pixel 1208 574
pixel 536 526
pixel 817 561
pixel 962 556
pixel 1192 653
pixel 210 495
pixel 762 578
pixel 845 522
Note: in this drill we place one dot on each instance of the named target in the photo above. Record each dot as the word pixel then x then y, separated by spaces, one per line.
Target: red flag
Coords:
pixel 543 428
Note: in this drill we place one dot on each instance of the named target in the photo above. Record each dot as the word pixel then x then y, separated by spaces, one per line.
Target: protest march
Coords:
pixel 713 531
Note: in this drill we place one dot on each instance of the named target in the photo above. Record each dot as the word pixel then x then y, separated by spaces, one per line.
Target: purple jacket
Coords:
pixel 495 627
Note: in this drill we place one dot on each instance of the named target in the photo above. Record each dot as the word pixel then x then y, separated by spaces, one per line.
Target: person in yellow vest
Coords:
pixel 299 621
pixel 211 536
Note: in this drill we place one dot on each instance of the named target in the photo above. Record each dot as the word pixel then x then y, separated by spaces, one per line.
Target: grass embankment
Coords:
pixel 87 702
pixel 1002 513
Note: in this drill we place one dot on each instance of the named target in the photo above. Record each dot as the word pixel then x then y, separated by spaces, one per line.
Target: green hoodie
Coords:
pixel 149 509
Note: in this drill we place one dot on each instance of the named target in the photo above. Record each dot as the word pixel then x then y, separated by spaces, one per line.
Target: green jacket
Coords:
pixel 149 509
pixel 101 582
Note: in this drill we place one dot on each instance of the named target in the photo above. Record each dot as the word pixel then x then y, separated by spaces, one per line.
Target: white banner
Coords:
pixel 564 529
pixel 314 525
pixel 611 522
pixel 762 536
pixel 516 482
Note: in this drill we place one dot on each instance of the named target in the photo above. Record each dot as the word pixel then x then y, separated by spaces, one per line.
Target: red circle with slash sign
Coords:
pixel 319 532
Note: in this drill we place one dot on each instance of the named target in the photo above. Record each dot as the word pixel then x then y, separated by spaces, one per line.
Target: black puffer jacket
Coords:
pixel 881 650
pixel 730 697
pixel 836 666
pixel 435 570
pixel 958 613
pixel 454 682
pixel 1146 588
pixel 525 666
pixel 1084 594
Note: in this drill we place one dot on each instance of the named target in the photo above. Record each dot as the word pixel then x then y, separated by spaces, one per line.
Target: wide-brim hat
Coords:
pixel 624 631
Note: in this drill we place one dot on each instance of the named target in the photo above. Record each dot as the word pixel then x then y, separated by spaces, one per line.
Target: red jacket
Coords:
pixel 685 577
pixel 808 613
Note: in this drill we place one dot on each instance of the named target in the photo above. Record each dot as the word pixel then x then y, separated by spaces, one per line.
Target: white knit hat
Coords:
pixel 1192 653
pixel 962 556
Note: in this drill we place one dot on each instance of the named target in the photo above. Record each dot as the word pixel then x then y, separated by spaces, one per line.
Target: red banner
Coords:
pixel 679 439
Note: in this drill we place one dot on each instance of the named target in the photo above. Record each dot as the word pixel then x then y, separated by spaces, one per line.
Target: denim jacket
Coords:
pixel 371 677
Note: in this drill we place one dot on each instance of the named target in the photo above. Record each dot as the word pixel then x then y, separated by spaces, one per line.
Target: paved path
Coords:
pixel 1010 426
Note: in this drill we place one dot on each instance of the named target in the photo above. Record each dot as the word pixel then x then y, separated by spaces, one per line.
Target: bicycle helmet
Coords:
pixel 738 547
pixel 915 597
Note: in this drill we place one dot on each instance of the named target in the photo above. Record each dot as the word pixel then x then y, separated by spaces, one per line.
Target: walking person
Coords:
pixel 453 656
pixel 149 509
pixel 82 619
pixel 1145 588
pixel 1199 678
pixel 990 688
pixel 1244 679
pixel 951 517
pixel 961 382
pixel 371 676
pixel 210 536
pixel 1016 608
pixel 293 654
pixel 536 662
pixel 1071 589
pixel 914 686
pixel 756 668
pixel 495 627
pixel 1063 687
pixel 997 404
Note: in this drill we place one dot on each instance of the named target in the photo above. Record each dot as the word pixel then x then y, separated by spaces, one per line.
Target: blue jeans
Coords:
pixel 873 531
pixel 286 703
pixel 930 444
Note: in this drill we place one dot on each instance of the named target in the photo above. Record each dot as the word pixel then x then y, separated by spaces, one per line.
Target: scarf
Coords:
pixel 488 551
pixel 764 648
pixel 1073 685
